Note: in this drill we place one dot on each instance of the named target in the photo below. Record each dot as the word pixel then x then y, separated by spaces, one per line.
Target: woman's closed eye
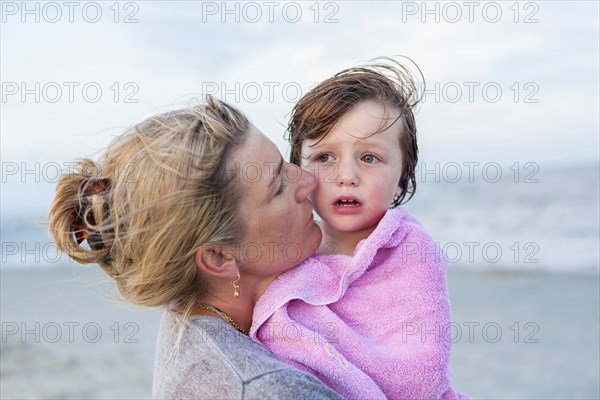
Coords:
pixel 281 187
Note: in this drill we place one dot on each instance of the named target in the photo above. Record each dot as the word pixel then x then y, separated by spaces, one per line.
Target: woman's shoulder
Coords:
pixel 200 358
pixel 213 360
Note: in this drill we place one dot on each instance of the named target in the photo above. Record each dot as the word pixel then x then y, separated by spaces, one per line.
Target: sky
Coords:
pixel 505 82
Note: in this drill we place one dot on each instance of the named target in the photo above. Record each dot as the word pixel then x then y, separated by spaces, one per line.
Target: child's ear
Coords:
pixel 398 191
pixel 214 260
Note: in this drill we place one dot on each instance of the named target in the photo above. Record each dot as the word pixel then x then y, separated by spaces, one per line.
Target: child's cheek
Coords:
pixel 318 198
pixel 327 174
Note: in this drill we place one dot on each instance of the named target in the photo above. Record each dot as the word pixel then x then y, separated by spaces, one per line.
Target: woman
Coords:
pixel 196 211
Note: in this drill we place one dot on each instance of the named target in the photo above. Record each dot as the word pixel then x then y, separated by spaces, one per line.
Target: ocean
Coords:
pixel 520 217
pixel 530 218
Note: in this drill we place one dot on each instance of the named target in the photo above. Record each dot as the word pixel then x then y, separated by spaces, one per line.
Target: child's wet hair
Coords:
pixel 383 80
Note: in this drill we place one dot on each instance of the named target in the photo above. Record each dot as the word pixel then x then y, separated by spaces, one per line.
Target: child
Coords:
pixel 370 316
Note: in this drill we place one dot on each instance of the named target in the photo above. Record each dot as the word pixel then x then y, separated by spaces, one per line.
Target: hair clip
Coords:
pixel 88 187
pixel 92 186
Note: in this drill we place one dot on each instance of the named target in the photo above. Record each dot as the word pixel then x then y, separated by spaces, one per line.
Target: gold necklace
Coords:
pixel 224 316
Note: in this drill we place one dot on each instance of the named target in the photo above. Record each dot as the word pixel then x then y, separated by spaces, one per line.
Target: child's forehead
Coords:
pixel 370 112
pixel 368 121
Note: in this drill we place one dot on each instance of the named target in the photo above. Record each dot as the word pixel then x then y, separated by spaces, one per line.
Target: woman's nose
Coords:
pixel 307 183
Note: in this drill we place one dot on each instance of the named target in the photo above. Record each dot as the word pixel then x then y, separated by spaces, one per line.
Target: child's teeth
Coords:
pixel 348 203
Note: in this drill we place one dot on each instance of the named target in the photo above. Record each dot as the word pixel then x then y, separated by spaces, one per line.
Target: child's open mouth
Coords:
pixel 347 203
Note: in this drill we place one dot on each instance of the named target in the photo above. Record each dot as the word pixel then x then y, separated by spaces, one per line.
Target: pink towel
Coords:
pixel 371 326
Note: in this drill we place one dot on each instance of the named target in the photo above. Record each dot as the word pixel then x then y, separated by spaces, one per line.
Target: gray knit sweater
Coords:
pixel 217 362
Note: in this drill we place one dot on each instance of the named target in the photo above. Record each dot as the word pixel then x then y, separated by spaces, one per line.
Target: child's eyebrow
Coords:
pixel 321 146
pixel 379 146
pixel 321 142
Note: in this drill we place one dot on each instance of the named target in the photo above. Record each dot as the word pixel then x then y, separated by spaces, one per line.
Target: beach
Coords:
pixel 516 335
pixel 553 352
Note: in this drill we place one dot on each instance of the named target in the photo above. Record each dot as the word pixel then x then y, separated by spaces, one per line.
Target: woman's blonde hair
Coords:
pixel 159 192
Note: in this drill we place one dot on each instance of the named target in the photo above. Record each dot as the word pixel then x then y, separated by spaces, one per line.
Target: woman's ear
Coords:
pixel 212 259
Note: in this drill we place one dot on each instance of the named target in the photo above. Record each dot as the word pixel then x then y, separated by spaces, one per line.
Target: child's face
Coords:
pixel 357 171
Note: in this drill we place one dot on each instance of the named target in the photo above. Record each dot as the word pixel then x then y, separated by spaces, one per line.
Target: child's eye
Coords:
pixel 324 157
pixel 369 158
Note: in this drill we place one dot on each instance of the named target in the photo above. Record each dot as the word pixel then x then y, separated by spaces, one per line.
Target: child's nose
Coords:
pixel 347 175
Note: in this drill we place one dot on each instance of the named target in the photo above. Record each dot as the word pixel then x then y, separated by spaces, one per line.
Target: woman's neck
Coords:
pixel 239 309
